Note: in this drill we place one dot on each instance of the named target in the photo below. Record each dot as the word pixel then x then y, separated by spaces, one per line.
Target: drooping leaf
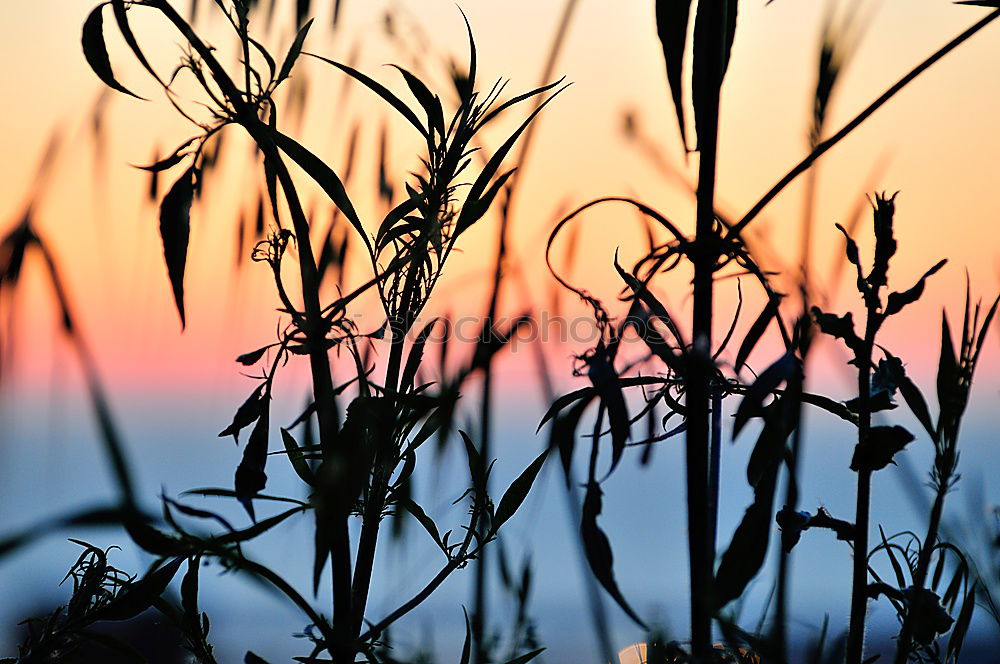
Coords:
pixel 380 90
pixel 175 230
pixel 96 51
pixel 598 550
pixel 606 381
pixel 121 18
pixel 672 18
pixel 746 552
pixel 325 177
pixel 563 433
pixel 912 395
pixel 250 476
pixel 428 101
pixel 420 515
pixel 518 491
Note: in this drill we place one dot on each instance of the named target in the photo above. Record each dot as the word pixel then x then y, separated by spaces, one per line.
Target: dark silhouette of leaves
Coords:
pixel 140 595
pixel 672 17
pixel 175 230
pixel 883 443
pixel 518 491
pixel 250 476
pixel 598 550
pixel 96 51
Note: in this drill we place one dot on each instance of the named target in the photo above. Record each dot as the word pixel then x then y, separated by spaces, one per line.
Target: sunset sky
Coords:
pixel 936 143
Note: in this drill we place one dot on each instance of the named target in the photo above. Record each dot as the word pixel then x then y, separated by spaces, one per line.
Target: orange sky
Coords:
pixel 935 139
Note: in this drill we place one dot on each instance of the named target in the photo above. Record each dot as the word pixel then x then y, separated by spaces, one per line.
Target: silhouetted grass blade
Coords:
pixel 380 90
pixel 755 332
pixel 672 17
pixel 428 101
pixel 96 52
pixel 175 230
pixel 325 177
pixel 748 548
pixel 120 10
pixel 703 79
pixel 297 459
pixel 293 52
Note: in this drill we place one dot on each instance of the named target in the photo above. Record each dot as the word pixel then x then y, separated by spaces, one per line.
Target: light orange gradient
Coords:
pixel 937 140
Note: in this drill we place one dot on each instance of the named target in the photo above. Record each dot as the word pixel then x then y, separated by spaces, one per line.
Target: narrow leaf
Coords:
pixel 175 230
pixel 518 491
pixel 96 51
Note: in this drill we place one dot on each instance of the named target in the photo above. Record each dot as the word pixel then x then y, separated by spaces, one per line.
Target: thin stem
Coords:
pixel 322 380
pixel 824 146
pixel 905 642
pixel 704 254
pixel 859 575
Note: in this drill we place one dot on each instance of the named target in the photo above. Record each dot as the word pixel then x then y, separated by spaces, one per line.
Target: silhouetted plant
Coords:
pixel 362 466
pixel 691 382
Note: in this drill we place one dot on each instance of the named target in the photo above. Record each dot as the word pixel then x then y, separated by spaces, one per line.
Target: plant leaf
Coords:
pixel 380 90
pixel 96 51
pixel 896 301
pixel 518 491
pixel 175 230
pixel 293 52
pixel 765 385
pixel 598 550
pixel 883 443
pixel 139 595
pixel 755 332
pixel 325 177
pixel 420 515
pixel 250 476
pixel 672 18
pixel 298 461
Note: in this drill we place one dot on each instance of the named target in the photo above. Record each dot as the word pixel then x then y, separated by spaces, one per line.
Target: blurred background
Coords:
pixel 611 133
